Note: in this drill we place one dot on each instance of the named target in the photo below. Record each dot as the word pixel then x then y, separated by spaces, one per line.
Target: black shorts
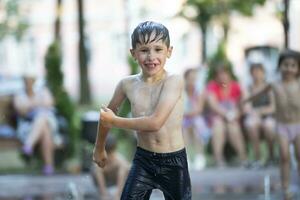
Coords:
pixel 167 172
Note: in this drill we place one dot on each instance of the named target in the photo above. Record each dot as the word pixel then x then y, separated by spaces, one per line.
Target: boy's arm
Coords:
pixel 102 131
pixel 171 92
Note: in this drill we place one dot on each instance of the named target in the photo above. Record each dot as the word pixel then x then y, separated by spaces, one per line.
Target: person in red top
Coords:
pixel 224 95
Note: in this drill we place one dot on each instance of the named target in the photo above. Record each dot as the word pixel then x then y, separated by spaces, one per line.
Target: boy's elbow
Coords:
pixel 156 125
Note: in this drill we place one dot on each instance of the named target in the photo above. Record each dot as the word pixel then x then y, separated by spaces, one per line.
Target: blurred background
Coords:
pixel 80 50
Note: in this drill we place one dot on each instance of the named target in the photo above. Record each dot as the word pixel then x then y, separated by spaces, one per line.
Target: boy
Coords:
pixel 156 99
pixel 111 178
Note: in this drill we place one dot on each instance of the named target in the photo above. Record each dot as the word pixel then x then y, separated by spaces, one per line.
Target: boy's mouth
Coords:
pixel 150 65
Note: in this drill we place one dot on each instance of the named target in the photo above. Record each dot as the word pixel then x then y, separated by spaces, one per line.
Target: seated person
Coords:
pixel 260 116
pixel 37 122
pixel 111 178
pixel 196 131
pixel 224 95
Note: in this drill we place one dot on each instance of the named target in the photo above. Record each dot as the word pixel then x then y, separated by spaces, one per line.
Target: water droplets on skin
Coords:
pixel 145 92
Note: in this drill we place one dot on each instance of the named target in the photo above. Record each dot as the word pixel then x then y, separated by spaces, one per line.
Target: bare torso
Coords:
pixel 144 98
pixel 287 97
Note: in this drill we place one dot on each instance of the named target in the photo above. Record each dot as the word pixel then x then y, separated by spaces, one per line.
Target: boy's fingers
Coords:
pixel 99 163
pixel 103 107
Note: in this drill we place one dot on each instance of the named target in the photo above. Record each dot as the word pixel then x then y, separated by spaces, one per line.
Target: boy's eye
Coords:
pixel 158 49
pixel 144 50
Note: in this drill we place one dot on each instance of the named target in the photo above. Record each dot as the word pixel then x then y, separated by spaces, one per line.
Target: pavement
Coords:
pixel 208 184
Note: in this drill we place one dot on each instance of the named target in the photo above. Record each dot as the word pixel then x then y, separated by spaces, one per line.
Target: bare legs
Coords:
pixel 236 139
pixel 297 153
pixel 41 134
pixel 284 161
pixel 252 125
pixel 269 131
pixel 191 140
pixel 255 126
pixel 222 130
pixel 218 140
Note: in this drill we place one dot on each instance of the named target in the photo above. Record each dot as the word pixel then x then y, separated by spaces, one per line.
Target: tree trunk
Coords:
pixel 286 24
pixel 85 96
pixel 204 47
pixel 57 23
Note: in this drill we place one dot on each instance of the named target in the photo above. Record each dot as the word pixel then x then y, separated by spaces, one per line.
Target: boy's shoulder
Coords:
pixel 136 78
pixel 130 79
pixel 174 77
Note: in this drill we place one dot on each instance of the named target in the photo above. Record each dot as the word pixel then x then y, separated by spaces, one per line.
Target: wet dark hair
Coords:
pixel 142 33
pixel 111 143
pixel 254 66
pixel 288 53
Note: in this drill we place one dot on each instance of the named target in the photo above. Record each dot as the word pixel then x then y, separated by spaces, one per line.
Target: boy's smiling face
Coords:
pixel 151 56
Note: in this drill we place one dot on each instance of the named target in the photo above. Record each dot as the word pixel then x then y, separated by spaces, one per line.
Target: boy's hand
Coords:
pixel 107 116
pixel 99 157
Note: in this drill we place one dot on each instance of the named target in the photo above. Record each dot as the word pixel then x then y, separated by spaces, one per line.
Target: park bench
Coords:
pixel 10 142
pixel 8 119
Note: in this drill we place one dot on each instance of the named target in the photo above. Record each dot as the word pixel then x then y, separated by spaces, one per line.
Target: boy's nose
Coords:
pixel 150 55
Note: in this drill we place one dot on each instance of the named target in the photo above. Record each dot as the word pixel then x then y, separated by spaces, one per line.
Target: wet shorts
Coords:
pixel 167 172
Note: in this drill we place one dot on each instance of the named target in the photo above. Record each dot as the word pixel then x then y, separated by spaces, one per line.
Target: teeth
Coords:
pixel 151 65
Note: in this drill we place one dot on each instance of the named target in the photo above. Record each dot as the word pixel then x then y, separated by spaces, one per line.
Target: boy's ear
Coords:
pixel 132 53
pixel 170 50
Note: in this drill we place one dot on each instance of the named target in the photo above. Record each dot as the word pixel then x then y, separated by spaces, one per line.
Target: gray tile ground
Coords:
pixel 209 184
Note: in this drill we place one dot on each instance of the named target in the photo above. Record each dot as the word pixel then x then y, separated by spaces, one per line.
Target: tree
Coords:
pixel 63 102
pixel 13 21
pixel 85 94
pixel 219 10
pixel 57 23
pixel 283 15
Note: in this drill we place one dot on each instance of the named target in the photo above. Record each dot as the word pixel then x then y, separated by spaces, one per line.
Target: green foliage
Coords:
pixel 219 58
pixel 218 10
pixel 54 78
pixel 124 137
pixel 207 10
pixel 14 22
pixel 134 69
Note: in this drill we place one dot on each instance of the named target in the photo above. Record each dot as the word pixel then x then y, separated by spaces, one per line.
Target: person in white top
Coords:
pixel 37 123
